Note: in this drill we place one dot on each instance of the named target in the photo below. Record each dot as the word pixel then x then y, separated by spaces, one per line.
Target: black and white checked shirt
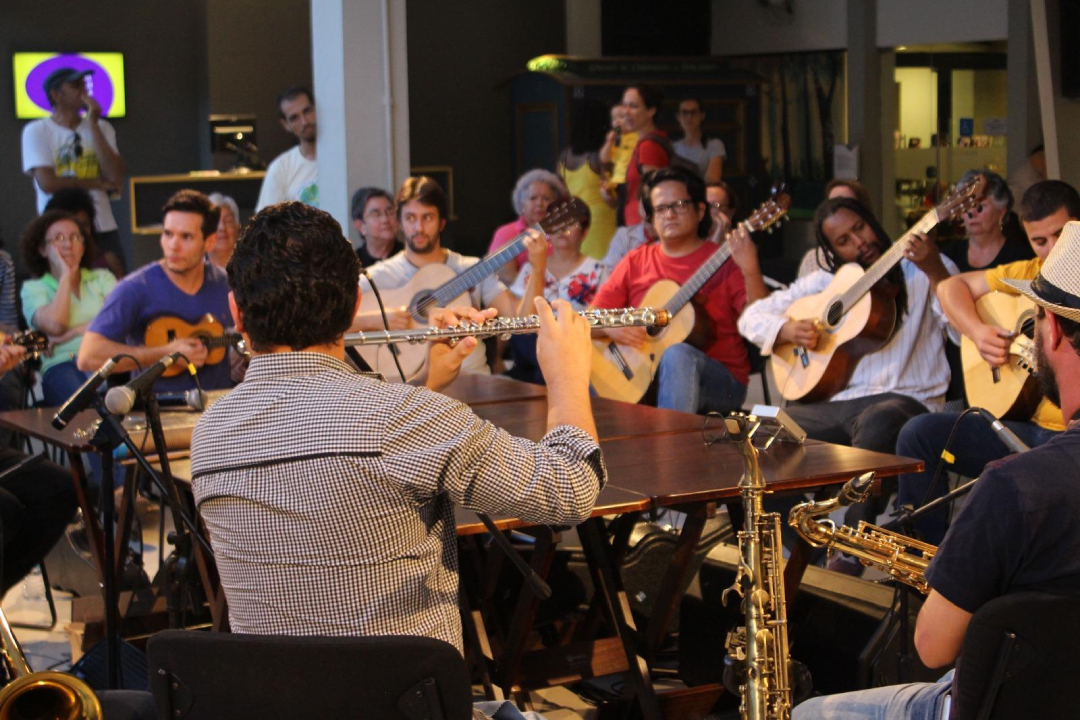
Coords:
pixel 328 496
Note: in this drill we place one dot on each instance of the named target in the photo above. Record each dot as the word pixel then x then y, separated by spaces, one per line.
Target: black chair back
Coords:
pixel 1019 659
pixel 219 676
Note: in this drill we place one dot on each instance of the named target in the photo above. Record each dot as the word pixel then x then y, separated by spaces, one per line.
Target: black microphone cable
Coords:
pixel 386 322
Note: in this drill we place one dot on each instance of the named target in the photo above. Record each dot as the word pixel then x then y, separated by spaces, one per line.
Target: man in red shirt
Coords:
pixel 691 379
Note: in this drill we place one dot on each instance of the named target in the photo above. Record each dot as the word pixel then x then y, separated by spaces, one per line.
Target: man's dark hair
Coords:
pixel 363 196
pixel 33 240
pixel 833 262
pixel 193 201
pixel 295 278
pixel 650 96
pixel 1045 198
pixel 695 188
pixel 289 93
pixel 426 191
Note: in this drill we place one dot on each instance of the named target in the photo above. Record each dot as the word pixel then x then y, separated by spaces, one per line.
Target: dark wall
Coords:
pixel 460 54
pixel 164 64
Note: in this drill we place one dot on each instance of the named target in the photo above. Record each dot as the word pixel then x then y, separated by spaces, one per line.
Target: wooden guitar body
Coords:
pixel 412 357
pixel 1010 392
pixel 818 374
pixel 622 373
pixel 165 329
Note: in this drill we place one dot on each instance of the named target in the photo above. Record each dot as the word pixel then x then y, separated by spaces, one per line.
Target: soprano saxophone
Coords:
pixel 504 327
pixel 761 644
pixel 902 557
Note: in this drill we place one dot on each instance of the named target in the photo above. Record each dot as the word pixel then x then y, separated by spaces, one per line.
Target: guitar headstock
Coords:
pixel 772 212
pixel 964 198
pixel 36 343
pixel 563 215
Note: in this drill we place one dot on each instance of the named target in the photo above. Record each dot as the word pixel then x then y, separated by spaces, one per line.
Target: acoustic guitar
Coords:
pixel 163 330
pixel 620 372
pixel 855 314
pixel 1011 391
pixel 436 285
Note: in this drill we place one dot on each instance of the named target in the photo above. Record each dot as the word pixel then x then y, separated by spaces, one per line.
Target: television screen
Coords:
pixel 106 84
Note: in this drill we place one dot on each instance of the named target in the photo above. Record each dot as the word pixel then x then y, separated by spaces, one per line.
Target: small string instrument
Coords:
pixel 163 330
pixel 36 343
pixel 1011 391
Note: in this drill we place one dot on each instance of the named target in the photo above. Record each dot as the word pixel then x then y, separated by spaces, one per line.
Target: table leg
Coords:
pixel 613 596
pixel 94 537
pixel 525 612
pixel 794 570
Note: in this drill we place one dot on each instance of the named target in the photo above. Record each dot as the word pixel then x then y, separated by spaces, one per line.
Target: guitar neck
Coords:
pixel 696 281
pixel 472 277
pixel 888 260
pixel 223 341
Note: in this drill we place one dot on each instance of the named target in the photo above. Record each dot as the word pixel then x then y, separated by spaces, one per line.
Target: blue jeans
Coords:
pixel 61 381
pixel 974 446
pixel 693 382
pixel 913 701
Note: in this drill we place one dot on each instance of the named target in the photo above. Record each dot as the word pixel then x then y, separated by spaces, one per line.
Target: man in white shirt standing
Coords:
pixel 69 149
pixel 293 175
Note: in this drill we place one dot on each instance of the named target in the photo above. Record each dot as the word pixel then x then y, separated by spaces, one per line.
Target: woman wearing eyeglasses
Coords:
pixel 707 153
pixel 64 296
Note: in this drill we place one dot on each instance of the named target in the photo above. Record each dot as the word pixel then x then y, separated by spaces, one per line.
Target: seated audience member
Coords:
pixel 14 384
pixel 814 259
pixel 535 192
pixel 62 298
pixel 1017 530
pixel 228 229
pixel 79 203
pixel 374 218
pixel 1044 210
pixel 384 482
pixel 615 154
pixel 626 239
pixel 581 169
pixel 987 244
pixel 905 378
pixel 568 274
pixel 184 284
pixel 422 208
pixel 707 153
pixel 722 206
pixel 36 502
pixel 689 378
pixel 641 103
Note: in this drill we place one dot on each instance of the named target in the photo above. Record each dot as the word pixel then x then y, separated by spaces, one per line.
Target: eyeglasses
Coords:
pixel 688 113
pixel 720 206
pixel 59 239
pixel 569 229
pixel 76 146
pixel 679 207
pixel 378 214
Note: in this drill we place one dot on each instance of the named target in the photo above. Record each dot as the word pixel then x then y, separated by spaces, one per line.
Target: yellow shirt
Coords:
pixel 585 184
pixel 1047 415
pixel 620 157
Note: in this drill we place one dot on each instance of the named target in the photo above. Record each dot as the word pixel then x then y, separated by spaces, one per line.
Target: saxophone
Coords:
pixel 902 557
pixel 761 645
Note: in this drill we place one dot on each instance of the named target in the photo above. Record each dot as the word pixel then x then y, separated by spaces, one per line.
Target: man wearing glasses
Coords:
pixel 71 150
pixel 711 374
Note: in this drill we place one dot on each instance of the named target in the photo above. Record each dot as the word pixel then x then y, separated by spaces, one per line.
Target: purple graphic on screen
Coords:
pixel 99 84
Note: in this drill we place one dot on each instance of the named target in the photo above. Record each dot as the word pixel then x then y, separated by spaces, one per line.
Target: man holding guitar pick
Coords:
pixel 183 284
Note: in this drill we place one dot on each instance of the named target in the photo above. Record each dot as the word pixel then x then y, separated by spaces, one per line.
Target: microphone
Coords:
pixel 1004 434
pixel 84 396
pixel 120 400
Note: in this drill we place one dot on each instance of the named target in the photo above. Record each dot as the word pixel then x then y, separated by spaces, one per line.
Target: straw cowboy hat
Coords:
pixel 1057 286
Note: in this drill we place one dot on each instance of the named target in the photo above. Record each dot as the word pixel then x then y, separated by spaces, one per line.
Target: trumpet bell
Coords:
pixel 50 695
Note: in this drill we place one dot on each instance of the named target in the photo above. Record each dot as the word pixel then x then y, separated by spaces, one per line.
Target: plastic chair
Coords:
pixel 214 676
pixel 1018 659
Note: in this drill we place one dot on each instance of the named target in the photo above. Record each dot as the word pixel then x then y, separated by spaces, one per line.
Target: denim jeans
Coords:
pixel 693 382
pixel 974 445
pixel 60 382
pixel 913 701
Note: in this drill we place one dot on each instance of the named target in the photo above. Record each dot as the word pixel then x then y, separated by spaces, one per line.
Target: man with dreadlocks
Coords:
pixel 906 377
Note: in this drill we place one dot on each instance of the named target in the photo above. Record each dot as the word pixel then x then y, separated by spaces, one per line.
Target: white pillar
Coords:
pixel 359 63
pixel 583 28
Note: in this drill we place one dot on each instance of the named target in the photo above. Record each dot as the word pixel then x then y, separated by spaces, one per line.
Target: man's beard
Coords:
pixel 421 250
pixel 1047 381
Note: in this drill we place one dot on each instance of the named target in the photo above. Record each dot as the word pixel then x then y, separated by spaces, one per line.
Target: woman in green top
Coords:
pixel 63 297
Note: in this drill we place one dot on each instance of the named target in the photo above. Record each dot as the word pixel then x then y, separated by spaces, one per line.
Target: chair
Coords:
pixel 214 676
pixel 1019 659
pixel 759 365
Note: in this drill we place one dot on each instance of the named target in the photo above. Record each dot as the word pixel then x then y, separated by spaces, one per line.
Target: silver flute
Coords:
pixel 504 327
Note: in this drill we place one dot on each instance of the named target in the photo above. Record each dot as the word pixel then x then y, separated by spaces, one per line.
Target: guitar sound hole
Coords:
pixel 1027 328
pixel 422 307
pixel 836 312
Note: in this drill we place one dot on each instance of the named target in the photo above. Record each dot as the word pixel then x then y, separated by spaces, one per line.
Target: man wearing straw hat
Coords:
pixel 1017 531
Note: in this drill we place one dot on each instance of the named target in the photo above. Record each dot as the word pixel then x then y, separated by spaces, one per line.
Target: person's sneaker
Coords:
pixel 846 565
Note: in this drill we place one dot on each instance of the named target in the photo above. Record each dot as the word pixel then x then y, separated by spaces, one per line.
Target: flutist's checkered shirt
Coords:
pixel 328 496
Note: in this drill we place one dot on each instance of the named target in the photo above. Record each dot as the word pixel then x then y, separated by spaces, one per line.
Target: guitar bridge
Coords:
pixel 620 361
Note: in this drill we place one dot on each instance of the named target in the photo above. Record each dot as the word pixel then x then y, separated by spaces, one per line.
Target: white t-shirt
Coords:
pixel 291 176
pixel 46 143
pixel 699 155
pixel 393 272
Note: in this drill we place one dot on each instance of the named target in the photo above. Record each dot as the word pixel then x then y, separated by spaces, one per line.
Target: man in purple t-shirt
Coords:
pixel 182 284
